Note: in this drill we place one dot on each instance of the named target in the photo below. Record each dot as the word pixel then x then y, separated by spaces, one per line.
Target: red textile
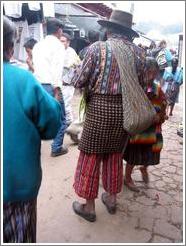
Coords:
pixel 86 182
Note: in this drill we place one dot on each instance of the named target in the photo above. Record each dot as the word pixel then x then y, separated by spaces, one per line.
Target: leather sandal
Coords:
pixel 145 175
pixel 131 186
pixel 111 208
pixel 79 209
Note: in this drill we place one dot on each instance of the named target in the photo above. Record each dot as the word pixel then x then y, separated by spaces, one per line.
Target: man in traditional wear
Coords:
pixel 103 137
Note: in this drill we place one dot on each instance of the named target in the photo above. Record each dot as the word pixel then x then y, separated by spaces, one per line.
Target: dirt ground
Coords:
pixel 155 215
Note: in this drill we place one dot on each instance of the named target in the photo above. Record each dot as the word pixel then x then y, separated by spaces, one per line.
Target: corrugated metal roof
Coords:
pixel 71 9
pixel 98 8
pixel 89 24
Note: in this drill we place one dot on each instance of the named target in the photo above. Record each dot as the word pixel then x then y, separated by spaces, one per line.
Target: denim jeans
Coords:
pixel 58 140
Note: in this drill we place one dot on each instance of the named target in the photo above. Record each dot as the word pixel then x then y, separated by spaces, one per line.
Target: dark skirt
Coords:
pixel 19 222
pixel 172 93
pixel 103 127
pixel 141 154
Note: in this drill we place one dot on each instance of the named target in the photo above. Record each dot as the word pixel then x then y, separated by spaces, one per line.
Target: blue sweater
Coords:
pixel 29 115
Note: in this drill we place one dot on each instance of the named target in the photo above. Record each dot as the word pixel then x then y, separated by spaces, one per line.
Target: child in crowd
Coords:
pixel 144 148
pixel 29 45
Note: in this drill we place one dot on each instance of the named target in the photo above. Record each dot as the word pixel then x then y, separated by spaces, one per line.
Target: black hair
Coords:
pixel 53 25
pixel 121 31
pixel 30 43
pixel 9 36
pixel 150 62
pixel 174 60
pixel 162 42
pixel 93 36
pixel 67 36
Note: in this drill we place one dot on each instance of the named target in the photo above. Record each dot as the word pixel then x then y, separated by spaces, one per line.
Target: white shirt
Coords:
pixel 71 57
pixel 48 60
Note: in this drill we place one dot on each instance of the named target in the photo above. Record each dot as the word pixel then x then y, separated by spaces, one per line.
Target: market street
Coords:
pixel 154 215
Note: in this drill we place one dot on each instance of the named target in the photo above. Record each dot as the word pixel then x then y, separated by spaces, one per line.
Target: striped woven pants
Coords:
pixel 19 222
pixel 86 181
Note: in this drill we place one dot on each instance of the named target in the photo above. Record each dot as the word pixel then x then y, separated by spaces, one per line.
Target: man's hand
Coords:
pixel 57 93
pixel 30 64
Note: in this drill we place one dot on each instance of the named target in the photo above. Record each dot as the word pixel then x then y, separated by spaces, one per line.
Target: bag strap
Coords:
pixel 126 62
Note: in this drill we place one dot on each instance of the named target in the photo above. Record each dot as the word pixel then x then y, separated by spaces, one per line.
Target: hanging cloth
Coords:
pixel 13 9
pixel 48 9
pixel 34 6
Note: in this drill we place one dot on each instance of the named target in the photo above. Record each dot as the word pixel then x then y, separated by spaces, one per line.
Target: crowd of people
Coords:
pixel 38 102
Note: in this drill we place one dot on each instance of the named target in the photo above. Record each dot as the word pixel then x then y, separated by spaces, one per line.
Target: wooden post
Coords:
pixel 180 50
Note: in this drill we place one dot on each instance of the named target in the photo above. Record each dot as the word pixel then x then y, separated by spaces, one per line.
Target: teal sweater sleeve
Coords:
pixel 29 115
pixel 42 109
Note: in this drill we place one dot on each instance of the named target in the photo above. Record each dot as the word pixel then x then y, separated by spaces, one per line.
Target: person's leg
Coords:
pixel 57 148
pixel 112 178
pixel 161 77
pixel 144 173
pixel 57 145
pixel 171 109
pixel 167 109
pixel 128 179
pixel 68 92
pixel 128 172
pixel 86 184
pixel 19 222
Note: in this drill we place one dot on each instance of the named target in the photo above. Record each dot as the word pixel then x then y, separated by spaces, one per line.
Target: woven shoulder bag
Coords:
pixel 138 112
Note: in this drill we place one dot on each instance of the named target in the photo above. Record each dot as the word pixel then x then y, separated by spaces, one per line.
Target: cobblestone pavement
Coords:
pixel 154 215
pixel 157 209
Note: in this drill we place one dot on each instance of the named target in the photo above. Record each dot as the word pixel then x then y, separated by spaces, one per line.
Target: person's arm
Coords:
pixel 168 55
pixel 30 64
pixel 72 58
pixel 57 63
pixel 167 76
pixel 49 118
pixel 84 71
pixel 162 113
pixel 39 62
pixel 83 52
pixel 42 109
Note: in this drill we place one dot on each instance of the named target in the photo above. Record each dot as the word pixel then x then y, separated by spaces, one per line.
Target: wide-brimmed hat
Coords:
pixel 120 20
